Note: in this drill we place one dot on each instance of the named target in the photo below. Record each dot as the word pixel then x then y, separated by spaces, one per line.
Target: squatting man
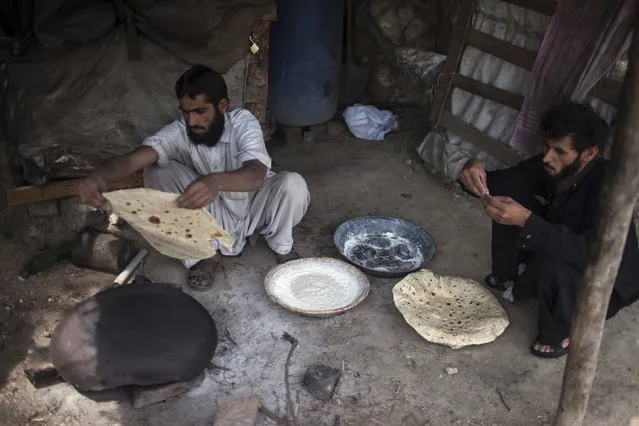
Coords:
pixel 216 158
pixel 543 213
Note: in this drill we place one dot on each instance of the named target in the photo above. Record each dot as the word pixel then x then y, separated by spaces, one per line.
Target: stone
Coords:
pixel 414 31
pixel 77 215
pixel 387 20
pixel 425 66
pixel 163 269
pixel 382 27
pixel 321 381
pixel 451 370
pixel 43 209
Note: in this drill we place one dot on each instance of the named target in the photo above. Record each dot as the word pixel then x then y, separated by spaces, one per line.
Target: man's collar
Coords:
pixel 226 134
pixel 575 180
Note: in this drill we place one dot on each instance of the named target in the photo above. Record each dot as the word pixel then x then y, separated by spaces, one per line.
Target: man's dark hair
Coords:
pixel 577 120
pixel 199 80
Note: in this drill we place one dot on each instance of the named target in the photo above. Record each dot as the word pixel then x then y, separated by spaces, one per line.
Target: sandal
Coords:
pixel 556 350
pixel 283 258
pixel 495 283
pixel 201 274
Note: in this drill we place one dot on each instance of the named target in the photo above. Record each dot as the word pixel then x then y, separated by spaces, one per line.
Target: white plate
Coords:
pixel 316 286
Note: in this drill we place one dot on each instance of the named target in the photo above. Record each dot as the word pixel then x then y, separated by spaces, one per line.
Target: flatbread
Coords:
pixel 171 230
pixel 451 311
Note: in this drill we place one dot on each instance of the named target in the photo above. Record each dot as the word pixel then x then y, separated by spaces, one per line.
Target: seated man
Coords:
pixel 215 158
pixel 543 211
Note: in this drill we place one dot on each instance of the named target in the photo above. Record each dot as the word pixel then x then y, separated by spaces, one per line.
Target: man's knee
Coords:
pixel 553 274
pixel 293 185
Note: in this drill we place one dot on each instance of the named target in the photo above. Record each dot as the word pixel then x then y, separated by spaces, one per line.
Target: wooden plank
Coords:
pixel 256 80
pixel 614 212
pixel 62 189
pixel 501 49
pixel 43 377
pixel 504 97
pixel 608 90
pixel 242 412
pixel 479 139
pixel 545 7
pixel 460 28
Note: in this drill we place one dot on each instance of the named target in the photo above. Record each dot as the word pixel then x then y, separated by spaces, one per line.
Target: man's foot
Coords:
pixel 283 258
pixel 497 284
pixel 550 351
pixel 201 274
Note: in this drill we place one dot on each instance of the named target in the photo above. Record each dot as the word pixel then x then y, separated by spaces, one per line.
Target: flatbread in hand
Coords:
pixel 451 311
pixel 171 230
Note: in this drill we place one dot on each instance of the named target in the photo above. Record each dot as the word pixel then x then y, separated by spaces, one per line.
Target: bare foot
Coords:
pixel 201 274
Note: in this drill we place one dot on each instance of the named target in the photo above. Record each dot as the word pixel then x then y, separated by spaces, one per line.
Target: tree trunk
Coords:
pixel 615 210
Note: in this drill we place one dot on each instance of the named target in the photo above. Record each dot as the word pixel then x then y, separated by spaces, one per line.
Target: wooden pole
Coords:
pixel 615 210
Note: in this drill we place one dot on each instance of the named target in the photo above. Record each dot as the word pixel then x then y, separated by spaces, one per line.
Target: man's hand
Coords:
pixel 506 211
pixel 90 190
pixel 200 193
pixel 473 177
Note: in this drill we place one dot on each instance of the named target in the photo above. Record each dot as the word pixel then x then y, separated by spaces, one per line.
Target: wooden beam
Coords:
pixel 545 7
pixel 501 49
pixel 479 139
pixel 608 90
pixel 134 52
pixel 62 189
pixel 504 97
pixel 614 212
pixel 461 26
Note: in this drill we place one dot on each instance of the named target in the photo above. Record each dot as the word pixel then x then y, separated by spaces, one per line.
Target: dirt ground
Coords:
pixel 391 376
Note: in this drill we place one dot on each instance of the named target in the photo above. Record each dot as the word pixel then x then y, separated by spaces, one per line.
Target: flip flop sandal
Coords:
pixel 201 277
pixel 556 351
pixel 495 283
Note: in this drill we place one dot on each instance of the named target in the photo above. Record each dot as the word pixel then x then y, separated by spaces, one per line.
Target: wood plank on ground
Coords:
pixel 241 412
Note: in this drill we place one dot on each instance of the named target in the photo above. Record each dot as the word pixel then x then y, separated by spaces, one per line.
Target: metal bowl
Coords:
pixel 384 246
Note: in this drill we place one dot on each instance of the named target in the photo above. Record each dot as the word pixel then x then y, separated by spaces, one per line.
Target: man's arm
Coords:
pixel 203 191
pixel 91 188
pixel 557 242
pixel 248 178
pixel 121 166
pixel 528 173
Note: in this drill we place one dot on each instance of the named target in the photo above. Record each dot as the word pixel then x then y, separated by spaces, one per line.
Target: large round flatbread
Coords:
pixel 171 230
pixel 451 311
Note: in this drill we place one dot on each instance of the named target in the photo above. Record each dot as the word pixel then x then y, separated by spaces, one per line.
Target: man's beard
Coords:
pixel 568 171
pixel 212 136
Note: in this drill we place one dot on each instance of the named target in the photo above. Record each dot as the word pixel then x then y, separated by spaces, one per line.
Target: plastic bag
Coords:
pixel 368 122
